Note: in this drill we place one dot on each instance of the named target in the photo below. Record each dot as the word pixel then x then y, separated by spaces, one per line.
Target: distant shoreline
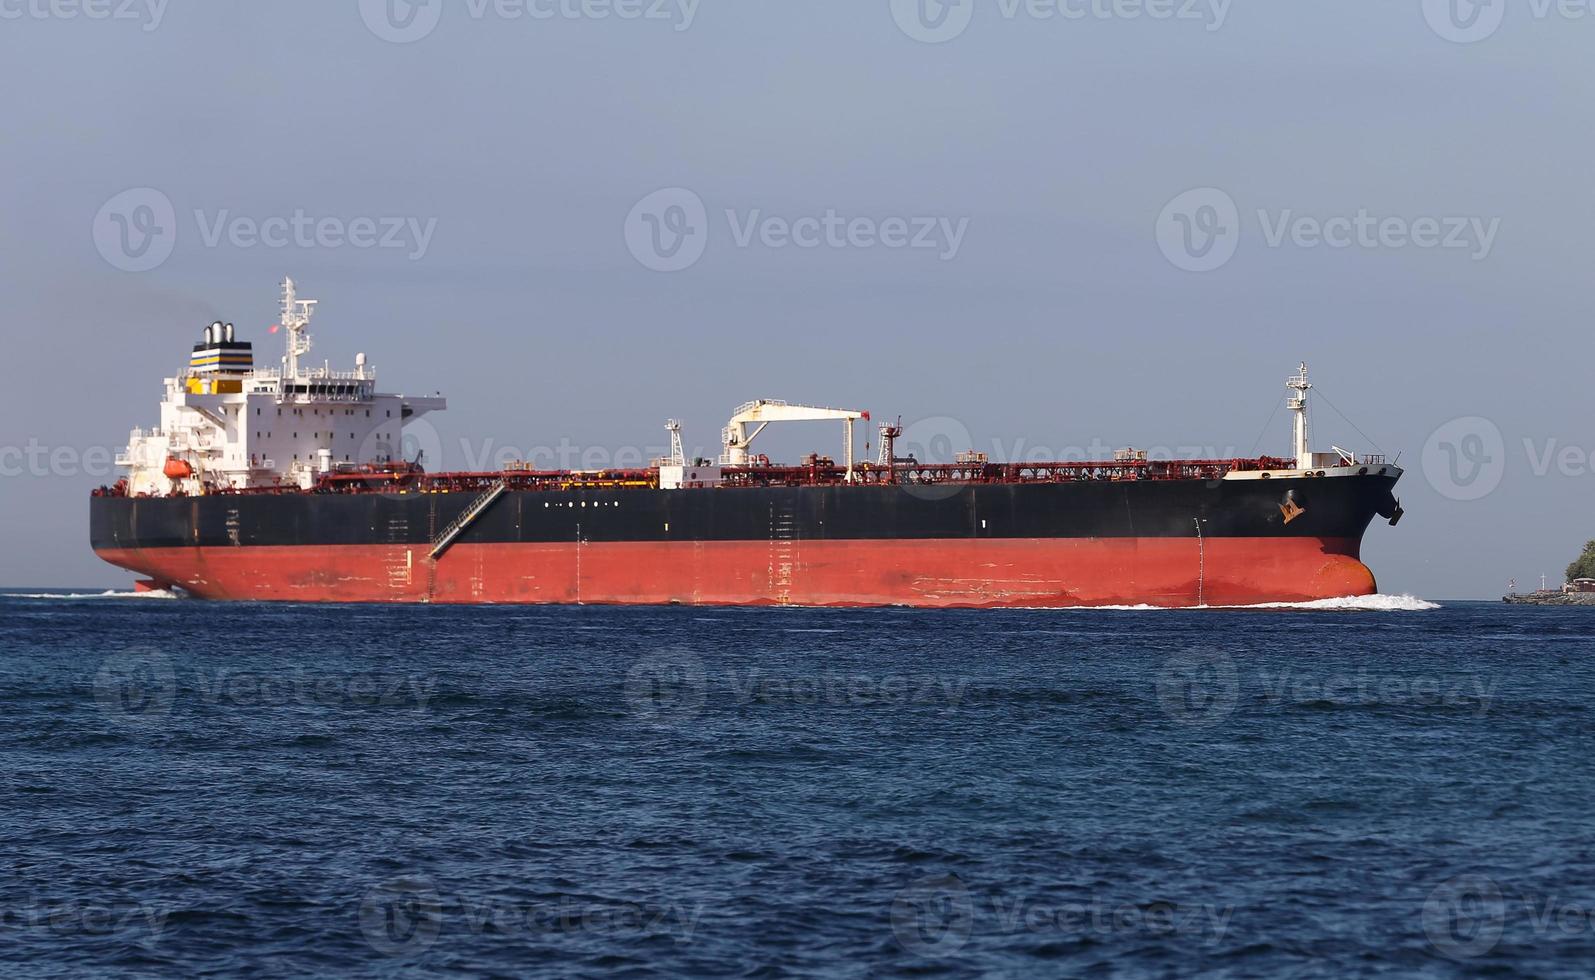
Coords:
pixel 1552 599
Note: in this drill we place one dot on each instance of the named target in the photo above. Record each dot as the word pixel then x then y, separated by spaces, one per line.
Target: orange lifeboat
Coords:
pixel 177 469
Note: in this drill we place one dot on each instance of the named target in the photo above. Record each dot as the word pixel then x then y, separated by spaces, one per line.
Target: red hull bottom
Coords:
pixel 1056 572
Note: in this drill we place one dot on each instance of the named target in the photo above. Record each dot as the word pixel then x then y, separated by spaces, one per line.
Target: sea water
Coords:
pixel 1376 787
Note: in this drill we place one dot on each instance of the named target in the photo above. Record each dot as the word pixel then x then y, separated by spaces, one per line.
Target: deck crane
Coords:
pixel 763 411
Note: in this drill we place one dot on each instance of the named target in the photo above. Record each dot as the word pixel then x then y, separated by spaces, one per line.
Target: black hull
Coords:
pixel 1331 507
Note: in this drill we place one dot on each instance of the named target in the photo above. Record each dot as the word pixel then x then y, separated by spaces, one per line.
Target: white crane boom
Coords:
pixel 762 412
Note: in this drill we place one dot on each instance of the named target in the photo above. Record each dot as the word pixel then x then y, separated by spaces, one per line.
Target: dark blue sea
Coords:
pixel 197 789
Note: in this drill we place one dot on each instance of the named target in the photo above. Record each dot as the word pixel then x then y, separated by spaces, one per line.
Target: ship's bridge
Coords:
pixel 226 424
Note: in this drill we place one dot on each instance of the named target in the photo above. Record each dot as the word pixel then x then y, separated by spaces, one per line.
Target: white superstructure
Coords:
pixel 227 425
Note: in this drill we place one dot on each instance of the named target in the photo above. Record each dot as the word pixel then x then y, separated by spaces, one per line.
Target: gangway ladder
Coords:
pixel 467 517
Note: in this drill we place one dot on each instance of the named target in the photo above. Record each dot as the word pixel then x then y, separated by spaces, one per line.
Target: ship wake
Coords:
pixel 1356 603
pixel 108 594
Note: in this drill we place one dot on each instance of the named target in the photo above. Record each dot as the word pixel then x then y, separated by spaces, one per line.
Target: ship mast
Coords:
pixel 678 455
pixel 296 314
pixel 1298 405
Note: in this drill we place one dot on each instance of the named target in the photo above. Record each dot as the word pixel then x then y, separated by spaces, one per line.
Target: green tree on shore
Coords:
pixel 1584 565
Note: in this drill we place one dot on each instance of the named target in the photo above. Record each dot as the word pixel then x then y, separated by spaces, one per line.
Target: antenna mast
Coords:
pixel 1298 405
pixel 296 314
pixel 678 456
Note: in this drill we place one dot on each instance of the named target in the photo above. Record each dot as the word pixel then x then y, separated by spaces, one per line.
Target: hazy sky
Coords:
pixel 1000 236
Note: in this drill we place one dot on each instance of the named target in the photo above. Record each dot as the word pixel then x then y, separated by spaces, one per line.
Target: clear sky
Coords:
pixel 979 216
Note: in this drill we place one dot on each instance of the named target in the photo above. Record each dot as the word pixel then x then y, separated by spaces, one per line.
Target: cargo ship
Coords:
pixel 290 483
